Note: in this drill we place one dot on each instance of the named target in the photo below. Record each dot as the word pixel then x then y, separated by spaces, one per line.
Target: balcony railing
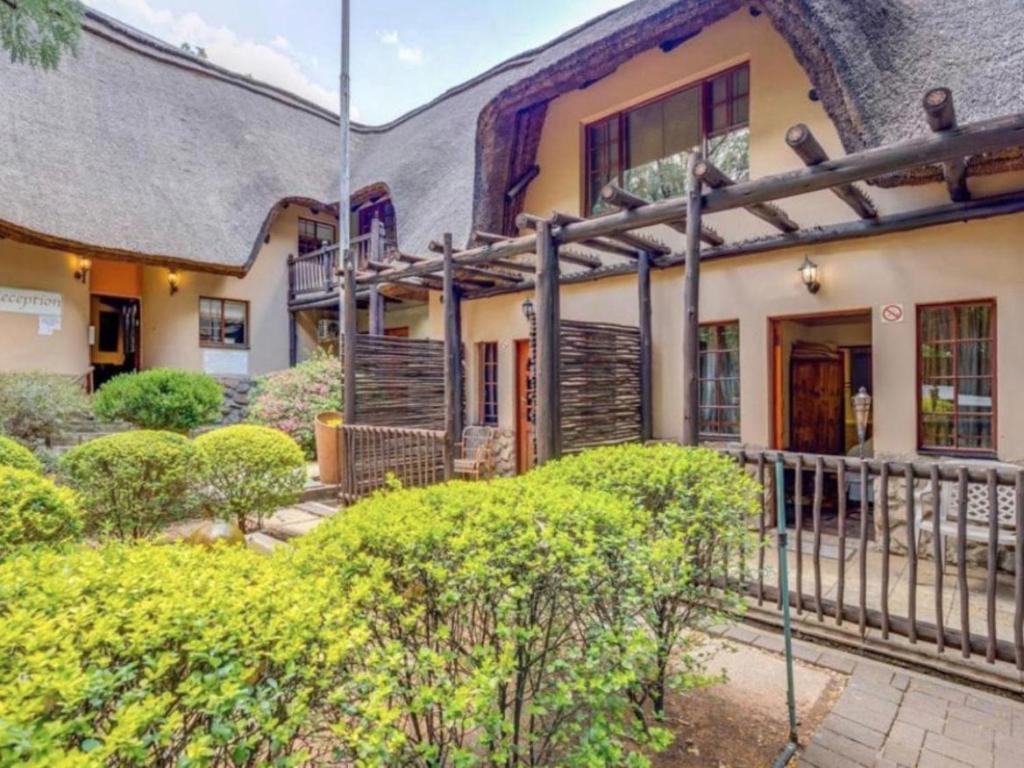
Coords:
pixel 315 275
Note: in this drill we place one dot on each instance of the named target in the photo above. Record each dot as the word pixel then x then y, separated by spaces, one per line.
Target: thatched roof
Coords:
pixel 135 148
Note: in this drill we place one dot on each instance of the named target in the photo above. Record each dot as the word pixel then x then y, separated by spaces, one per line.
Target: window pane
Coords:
pixel 209 320
pixel 937 360
pixel 326 233
pixel 974 321
pixel 974 431
pixel 660 135
pixel 719 379
pixel 936 324
pixel 937 430
pixel 234 323
pixel 974 358
pixel 731 153
pixel 974 395
pixel 602 159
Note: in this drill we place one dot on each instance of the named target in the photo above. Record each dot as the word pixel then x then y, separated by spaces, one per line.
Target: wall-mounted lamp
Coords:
pixel 82 269
pixel 173 281
pixel 528 311
pixel 809 274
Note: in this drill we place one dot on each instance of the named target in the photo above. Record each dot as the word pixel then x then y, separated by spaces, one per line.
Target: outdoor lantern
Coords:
pixel 809 273
pixel 82 271
pixel 172 281
pixel 528 310
pixel 862 413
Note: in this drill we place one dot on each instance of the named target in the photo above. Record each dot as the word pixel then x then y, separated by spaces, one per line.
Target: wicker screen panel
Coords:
pixel 600 369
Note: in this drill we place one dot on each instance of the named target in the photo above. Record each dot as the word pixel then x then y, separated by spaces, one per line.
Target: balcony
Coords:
pixel 313 277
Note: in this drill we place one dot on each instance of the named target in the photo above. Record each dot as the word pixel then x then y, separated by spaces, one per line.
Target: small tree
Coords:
pixel 161 398
pixel 39 32
pixel 36 407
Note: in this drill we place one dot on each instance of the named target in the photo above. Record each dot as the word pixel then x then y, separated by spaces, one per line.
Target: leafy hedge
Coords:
pixel 132 484
pixel 290 400
pixel 13 454
pixel 161 398
pixel 250 471
pixel 34 511
pixel 516 622
pixel 36 407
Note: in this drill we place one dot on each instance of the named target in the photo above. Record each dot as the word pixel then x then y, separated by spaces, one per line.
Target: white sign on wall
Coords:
pixel 226 362
pixel 891 313
pixel 27 302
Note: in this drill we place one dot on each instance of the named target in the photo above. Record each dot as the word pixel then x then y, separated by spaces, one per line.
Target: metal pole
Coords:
pixel 787 628
pixel 343 180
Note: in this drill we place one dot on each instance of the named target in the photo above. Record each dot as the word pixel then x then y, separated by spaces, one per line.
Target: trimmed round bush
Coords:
pixel 161 398
pixel 290 400
pixel 13 454
pixel 250 471
pixel 34 510
pixel 149 654
pixel 36 407
pixel 132 484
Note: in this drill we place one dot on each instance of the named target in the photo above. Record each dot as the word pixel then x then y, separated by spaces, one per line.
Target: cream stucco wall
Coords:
pixel 21 347
pixel 981 259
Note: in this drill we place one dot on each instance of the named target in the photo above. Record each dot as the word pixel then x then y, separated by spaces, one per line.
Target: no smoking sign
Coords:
pixel 892 313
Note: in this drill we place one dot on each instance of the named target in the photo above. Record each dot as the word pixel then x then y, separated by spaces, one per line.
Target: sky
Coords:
pixel 404 52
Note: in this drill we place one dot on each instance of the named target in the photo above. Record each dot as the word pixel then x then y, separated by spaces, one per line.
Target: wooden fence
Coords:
pixel 370 455
pixel 910 484
pixel 600 384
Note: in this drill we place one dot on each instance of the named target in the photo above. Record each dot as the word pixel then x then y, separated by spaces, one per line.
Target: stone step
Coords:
pixel 317 491
pixel 262 543
pixel 317 508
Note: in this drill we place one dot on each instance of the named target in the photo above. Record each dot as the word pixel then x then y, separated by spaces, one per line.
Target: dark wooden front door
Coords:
pixel 816 405
pixel 524 427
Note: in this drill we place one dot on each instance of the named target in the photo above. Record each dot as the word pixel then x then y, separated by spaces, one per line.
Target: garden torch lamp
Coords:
pixel 862 413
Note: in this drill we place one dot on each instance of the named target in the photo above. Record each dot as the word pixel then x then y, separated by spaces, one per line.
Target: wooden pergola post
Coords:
pixel 646 347
pixel 349 337
pixel 376 312
pixel 691 302
pixel 547 394
pixel 453 386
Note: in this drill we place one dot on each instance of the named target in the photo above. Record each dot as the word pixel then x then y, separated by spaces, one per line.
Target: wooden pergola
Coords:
pixel 495 264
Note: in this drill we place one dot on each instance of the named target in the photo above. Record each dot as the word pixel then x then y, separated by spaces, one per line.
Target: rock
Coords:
pixel 212 531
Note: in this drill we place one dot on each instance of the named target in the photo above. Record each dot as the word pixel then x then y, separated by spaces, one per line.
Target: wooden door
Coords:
pixel 816 405
pixel 524 394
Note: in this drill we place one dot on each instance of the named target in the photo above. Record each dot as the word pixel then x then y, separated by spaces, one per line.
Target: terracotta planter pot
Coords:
pixel 328 446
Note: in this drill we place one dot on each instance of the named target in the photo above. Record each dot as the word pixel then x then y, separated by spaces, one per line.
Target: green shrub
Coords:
pixel 15 455
pixel 485 636
pixel 34 510
pixel 697 503
pixel 37 407
pixel 163 655
pixel 290 400
pixel 161 398
pixel 250 472
pixel 131 484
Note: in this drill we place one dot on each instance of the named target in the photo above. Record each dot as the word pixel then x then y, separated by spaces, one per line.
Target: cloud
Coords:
pixel 406 53
pixel 268 62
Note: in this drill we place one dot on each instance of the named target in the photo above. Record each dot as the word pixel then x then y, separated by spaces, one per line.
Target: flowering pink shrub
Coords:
pixel 290 400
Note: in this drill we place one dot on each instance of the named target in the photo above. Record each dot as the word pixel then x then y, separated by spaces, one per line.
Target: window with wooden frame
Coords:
pixel 487 370
pixel 223 323
pixel 645 149
pixel 719 380
pixel 957 377
pixel 313 235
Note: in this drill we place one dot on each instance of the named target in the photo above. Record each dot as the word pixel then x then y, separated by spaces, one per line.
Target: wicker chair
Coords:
pixel 476 452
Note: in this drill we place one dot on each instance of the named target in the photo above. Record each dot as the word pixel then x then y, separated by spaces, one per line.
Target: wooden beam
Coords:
pixel 646 347
pixel 376 312
pixel 807 148
pixel 529 221
pixel 637 243
pixel 452 360
pixel 293 339
pixel 547 391
pixel 716 179
pixel 625 200
pixel 349 331
pixel 691 304
pixel 519 185
pixel 941 116
pixel 474 271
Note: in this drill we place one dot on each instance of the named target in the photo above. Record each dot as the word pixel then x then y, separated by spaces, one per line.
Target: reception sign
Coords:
pixel 27 302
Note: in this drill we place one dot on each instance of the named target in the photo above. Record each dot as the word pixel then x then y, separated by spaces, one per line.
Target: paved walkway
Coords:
pixel 889 717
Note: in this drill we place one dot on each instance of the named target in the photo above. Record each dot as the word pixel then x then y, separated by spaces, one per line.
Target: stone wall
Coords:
pixel 236 398
pixel 505 453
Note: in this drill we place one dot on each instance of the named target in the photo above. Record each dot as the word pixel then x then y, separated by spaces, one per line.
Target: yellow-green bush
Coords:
pixel 132 484
pixel 249 472
pixel 139 655
pixel 13 454
pixel 34 510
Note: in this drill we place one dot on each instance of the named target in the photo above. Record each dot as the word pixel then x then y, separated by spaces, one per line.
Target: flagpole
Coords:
pixel 344 236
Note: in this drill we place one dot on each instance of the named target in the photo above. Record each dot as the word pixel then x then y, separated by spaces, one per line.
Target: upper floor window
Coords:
pixel 956 366
pixel 719 380
pixel 645 149
pixel 314 234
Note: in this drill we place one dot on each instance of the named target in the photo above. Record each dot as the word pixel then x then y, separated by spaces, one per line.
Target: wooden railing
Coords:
pixel 371 455
pixel 316 273
pixel 975 492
